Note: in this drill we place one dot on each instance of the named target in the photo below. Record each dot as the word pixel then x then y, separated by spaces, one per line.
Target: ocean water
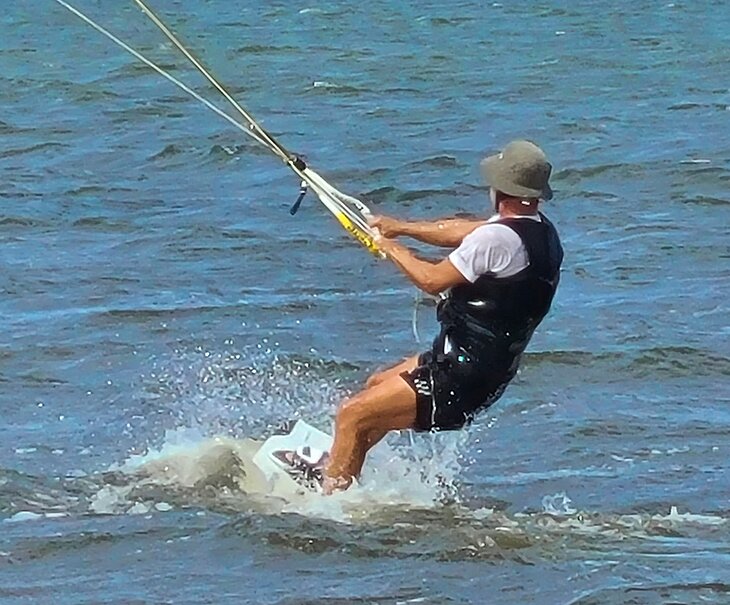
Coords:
pixel 159 304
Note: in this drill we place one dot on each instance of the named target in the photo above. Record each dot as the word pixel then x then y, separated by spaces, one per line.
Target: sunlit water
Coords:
pixel 160 306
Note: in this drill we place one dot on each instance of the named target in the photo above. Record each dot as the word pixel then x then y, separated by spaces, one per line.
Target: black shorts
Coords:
pixel 452 387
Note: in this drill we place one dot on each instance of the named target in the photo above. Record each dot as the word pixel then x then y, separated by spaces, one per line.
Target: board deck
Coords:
pixel 276 470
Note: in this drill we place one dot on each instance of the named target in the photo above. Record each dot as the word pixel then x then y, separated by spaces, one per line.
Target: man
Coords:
pixel 500 281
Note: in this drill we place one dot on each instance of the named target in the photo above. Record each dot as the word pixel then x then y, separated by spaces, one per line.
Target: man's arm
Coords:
pixel 447 233
pixel 431 277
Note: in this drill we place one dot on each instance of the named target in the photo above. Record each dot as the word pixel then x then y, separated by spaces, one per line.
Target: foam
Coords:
pixel 220 399
pixel 420 476
pixel 26 515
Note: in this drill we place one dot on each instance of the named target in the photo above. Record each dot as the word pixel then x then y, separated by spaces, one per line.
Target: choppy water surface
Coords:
pixel 156 294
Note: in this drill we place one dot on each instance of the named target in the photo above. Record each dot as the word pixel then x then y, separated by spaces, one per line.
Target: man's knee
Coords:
pixel 350 416
pixel 375 379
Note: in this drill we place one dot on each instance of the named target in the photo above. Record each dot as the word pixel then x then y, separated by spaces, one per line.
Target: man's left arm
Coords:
pixel 431 277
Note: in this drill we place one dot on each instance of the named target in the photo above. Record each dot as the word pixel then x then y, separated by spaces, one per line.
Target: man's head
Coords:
pixel 520 171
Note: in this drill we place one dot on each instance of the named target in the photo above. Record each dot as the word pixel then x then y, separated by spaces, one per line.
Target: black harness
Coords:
pixel 497 316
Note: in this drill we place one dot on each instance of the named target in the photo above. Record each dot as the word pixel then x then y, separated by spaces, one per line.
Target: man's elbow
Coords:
pixel 432 287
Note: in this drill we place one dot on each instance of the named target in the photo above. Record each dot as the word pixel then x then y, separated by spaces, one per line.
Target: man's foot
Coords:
pixel 330 485
pixel 305 465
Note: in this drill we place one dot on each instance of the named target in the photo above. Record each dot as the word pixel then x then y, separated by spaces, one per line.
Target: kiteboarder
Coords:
pixel 496 286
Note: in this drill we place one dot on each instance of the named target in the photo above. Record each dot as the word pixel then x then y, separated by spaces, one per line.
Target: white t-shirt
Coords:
pixel 492 249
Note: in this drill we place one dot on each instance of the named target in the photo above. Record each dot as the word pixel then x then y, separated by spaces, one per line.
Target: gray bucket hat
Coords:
pixel 521 169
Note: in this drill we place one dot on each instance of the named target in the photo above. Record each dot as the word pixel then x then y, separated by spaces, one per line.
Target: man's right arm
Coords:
pixel 448 233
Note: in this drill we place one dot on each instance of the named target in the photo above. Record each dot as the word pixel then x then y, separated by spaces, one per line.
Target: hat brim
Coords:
pixel 494 177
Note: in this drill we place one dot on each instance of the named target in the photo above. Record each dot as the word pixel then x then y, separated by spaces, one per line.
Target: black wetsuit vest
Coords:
pixel 495 318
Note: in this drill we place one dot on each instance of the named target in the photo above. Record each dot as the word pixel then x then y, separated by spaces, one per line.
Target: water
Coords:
pixel 157 295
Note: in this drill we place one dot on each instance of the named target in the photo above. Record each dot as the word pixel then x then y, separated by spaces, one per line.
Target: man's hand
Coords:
pixel 388 226
pixel 384 243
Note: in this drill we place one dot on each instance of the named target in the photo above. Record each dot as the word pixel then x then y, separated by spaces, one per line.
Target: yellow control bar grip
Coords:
pixel 364 238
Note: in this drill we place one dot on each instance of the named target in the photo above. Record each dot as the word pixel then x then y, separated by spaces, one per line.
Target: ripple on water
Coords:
pixel 655 362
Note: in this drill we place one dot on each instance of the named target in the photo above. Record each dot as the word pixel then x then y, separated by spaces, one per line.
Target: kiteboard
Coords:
pixel 295 458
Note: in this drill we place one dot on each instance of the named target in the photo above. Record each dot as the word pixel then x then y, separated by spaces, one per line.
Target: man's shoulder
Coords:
pixel 494 233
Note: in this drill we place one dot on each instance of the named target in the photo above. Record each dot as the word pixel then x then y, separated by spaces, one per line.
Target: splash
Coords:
pixel 558 505
pixel 222 405
pixel 238 394
pixel 217 473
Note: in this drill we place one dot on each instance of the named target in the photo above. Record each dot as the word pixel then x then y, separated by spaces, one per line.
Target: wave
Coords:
pixel 157 110
pixel 382 520
pixel 226 152
pixel 707 200
pixel 135 69
pixel 453 533
pixel 8 129
pixel 573 176
pixel 22 221
pixel 410 503
pixel 335 88
pixel 91 93
pixel 169 151
pixel 446 20
pixel 45 146
pixel 656 592
pixel 390 194
pixel 24 496
pixel 96 190
pixel 103 224
pixel 268 49
pixel 438 161
pixel 656 362
pixel 216 152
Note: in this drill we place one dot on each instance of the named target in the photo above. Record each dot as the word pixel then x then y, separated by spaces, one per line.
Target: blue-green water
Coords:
pixel 156 293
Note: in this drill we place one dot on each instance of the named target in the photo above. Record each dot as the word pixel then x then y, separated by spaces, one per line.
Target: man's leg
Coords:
pixel 364 420
pixel 407 365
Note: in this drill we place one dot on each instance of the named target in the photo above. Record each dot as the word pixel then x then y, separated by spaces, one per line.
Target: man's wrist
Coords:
pixel 404 228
